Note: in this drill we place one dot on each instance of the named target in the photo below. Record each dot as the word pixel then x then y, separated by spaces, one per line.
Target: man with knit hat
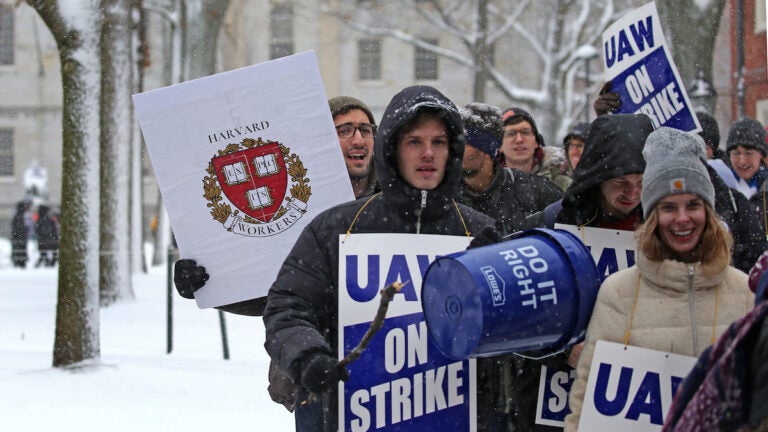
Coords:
pixel 730 204
pixel 508 196
pixel 748 179
pixel 746 149
pixel 523 148
pixel 355 127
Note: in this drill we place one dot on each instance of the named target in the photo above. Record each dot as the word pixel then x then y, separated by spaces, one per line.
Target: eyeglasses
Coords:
pixel 746 153
pixel 525 133
pixel 347 130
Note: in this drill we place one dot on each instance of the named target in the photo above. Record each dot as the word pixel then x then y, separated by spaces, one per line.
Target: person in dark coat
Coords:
pixel 47 237
pixel 743 220
pixel 301 313
pixel 607 182
pixel 506 195
pixel 710 133
pixel 19 235
pixel 573 146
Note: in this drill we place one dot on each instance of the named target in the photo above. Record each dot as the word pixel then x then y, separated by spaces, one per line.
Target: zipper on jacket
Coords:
pixel 692 310
pixel 421 210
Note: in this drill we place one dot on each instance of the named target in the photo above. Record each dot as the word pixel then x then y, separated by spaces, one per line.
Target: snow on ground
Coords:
pixel 135 386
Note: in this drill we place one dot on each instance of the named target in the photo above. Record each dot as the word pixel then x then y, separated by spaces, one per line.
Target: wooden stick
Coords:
pixel 378 321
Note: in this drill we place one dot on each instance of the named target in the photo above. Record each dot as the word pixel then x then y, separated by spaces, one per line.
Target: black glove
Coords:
pixel 188 277
pixel 607 102
pixel 322 372
pixel 486 236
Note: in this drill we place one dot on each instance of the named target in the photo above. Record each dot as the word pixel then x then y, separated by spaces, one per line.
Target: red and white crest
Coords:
pixel 253 177
pixel 254 180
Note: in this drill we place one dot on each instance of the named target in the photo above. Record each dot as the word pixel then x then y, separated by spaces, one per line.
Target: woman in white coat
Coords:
pixel 682 293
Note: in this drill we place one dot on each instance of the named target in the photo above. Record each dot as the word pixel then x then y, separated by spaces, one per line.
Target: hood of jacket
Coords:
pixel 402 109
pixel 614 148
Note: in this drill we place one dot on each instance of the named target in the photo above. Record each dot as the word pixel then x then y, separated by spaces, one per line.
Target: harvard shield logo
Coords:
pixel 253 177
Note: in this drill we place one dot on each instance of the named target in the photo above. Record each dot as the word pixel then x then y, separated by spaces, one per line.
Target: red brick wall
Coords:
pixel 755 69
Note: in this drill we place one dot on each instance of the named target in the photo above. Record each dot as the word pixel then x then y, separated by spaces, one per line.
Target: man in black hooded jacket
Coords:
pixel 605 192
pixel 507 195
pixel 301 313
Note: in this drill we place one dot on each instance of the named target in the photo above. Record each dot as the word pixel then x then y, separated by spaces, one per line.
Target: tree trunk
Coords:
pixel 138 263
pixel 76 31
pixel 202 26
pixel 116 141
pixel 481 75
pixel 691 33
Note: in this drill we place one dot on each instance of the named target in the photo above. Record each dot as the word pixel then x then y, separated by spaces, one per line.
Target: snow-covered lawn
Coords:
pixel 135 386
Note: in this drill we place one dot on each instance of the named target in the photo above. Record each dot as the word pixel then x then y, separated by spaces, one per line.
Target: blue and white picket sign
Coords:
pixel 401 381
pixel 639 63
pixel 631 388
pixel 554 388
pixel 612 250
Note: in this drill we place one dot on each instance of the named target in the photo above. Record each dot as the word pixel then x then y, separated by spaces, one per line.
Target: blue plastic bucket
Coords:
pixel 532 293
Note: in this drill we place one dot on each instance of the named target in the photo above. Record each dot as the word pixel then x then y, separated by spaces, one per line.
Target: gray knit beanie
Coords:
pixel 674 164
pixel 747 132
pixel 342 105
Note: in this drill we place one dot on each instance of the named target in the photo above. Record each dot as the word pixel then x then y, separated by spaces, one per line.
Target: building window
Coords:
pixel 6 35
pixel 369 59
pixel 759 16
pixel 6 152
pixel 281 20
pixel 425 62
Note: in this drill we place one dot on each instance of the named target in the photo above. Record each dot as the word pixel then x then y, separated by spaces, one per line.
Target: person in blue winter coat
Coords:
pixel 417 155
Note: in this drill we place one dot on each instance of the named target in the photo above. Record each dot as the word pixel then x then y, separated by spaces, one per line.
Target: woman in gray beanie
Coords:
pixel 682 293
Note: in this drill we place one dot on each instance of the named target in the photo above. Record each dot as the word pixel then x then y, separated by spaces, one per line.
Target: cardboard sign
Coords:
pixel 401 381
pixel 631 388
pixel 554 388
pixel 244 160
pixel 612 250
pixel 639 63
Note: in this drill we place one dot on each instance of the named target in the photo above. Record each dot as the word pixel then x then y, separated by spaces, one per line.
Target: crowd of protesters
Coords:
pixel 698 214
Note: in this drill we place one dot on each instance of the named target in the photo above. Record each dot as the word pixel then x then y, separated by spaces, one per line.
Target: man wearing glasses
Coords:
pixel 355 127
pixel 522 148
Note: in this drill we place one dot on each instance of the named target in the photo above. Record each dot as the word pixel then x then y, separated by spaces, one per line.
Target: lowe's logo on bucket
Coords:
pixel 495 285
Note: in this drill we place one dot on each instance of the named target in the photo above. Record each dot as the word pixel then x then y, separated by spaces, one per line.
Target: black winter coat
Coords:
pixel 511 197
pixel 301 312
pixel 19 230
pixel 46 229
pixel 743 219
